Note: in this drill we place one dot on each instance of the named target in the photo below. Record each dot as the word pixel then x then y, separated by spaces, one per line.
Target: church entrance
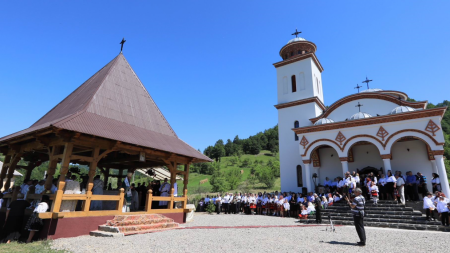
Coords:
pixel 363 158
pixel 369 169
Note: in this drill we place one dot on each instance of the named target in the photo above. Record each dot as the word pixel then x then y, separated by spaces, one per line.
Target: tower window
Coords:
pixel 286 56
pixel 299 52
pixel 296 125
pixel 299 176
pixel 293 83
pixel 292 53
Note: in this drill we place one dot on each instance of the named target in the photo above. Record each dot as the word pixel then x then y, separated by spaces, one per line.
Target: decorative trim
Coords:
pixel 301 102
pixel 417 131
pixel 303 43
pixel 368 95
pixel 361 135
pixel 299 58
pixel 351 158
pixel 315 158
pixel 432 127
pixel 438 152
pixel 430 153
pixel 388 156
pixel 340 138
pixel 312 143
pixel 373 121
pixel 304 142
pixel 382 133
pixel 306 161
pixel 343 159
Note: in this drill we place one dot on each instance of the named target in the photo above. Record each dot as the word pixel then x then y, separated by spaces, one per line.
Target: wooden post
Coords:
pixel 171 198
pixel 90 185
pixel 62 179
pixel 119 178
pixel 4 169
pixel 185 199
pixel 120 203
pixel 148 201
pixel 30 168
pixel 106 177
pixel 186 176
pixel 11 169
pixel 51 170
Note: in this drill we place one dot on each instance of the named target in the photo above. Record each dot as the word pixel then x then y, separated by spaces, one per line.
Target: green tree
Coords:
pixel 218 181
pixel 234 177
pixel 265 175
pixel 218 151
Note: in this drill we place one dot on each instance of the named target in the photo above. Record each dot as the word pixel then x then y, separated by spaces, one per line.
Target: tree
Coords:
pixel 218 151
pixel 234 177
pixel 218 180
pixel 229 148
pixel 265 175
pixel 208 151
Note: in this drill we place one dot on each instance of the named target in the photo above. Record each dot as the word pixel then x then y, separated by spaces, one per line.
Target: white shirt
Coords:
pixel 427 203
pixel 219 200
pixel 436 181
pixel 286 206
pixel 373 188
pixel 357 179
pixel 226 199
pixel 310 209
pixel 330 200
pixel 400 182
pixel 382 181
pixel 41 207
pixel 442 206
pixel 391 179
pixel 252 200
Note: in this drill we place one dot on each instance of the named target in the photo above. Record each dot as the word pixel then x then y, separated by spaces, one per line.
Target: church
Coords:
pixel 373 130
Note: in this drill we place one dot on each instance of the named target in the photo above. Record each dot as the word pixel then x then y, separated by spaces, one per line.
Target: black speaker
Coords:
pixel 304 191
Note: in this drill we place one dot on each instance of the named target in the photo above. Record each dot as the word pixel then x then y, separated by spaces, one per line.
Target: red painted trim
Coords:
pixel 301 102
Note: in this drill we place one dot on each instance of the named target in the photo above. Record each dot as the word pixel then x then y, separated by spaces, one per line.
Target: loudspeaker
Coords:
pixel 304 191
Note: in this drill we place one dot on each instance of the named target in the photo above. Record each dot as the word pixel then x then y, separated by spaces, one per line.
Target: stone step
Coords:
pixel 125 229
pixel 98 233
pixel 371 205
pixel 415 213
pixel 375 208
pixel 386 225
pixel 412 217
pixel 130 220
pixel 387 220
pixel 148 231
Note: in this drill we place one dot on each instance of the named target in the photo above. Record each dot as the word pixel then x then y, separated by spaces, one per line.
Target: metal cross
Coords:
pixel 367 81
pixel 357 87
pixel 296 33
pixel 359 106
pixel 122 42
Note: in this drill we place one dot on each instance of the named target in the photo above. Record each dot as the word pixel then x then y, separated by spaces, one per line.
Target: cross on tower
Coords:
pixel 296 33
pixel 357 87
pixel 122 42
pixel 367 81
pixel 359 106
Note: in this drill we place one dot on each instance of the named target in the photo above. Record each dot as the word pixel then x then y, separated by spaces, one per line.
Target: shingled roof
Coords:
pixel 114 104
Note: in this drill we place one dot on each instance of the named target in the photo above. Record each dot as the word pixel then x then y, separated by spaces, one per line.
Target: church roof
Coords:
pixel 360 115
pixel 114 104
pixel 401 109
pixel 323 121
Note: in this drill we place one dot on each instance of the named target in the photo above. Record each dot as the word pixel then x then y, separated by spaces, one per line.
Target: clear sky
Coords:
pixel 208 64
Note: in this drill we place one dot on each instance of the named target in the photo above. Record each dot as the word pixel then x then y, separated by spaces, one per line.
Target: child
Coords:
pixel 429 206
pixel 373 192
pixel 286 208
pixel 304 214
pixel 443 210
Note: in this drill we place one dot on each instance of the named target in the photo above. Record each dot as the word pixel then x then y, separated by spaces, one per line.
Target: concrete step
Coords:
pixel 386 220
pixel 127 220
pixel 369 215
pixel 124 229
pixel 385 225
pixel 398 208
pixel 415 213
pixel 371 205
pixel 98 233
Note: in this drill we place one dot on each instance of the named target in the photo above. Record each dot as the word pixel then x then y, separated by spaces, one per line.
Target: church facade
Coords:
pixel 369 131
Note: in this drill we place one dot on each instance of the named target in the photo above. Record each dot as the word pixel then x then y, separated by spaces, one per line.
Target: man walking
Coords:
pixel 357 206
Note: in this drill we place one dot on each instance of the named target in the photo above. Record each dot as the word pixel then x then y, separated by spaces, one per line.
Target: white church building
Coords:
pixel 388 133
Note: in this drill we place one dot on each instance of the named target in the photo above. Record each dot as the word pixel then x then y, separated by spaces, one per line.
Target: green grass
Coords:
pixel 39 246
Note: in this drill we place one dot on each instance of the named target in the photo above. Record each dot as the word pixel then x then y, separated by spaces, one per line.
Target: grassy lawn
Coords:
pixel 39 246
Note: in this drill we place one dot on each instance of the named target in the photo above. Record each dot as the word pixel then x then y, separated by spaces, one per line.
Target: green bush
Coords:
pixel 210 208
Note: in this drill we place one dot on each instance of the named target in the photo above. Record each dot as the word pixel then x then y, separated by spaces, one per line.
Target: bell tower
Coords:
pixel 300 98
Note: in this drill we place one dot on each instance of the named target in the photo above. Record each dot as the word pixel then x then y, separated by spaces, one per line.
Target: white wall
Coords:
pixel 370 106
pixel 304 71
pixel 415 160
pixel 362 159
pixel 330 166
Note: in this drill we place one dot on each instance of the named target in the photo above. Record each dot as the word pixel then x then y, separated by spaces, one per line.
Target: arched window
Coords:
pixel 293 83
pixel 299 176
pixel 296 125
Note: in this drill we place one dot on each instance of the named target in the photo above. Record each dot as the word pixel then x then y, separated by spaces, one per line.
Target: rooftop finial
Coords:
pixel 359 106
pixel 367 81
pixel 296 33
pixel 122 42
pixel 357 87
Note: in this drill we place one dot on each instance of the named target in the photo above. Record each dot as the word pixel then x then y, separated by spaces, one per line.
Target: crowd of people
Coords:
pixel 437 205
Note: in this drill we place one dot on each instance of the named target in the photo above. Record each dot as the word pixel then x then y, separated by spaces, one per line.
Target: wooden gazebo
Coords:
pixel 109 122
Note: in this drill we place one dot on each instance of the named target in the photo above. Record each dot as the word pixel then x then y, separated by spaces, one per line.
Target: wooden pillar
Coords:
pixel 106 177
pixel 119 179
pixel 186 176
pixel 62 179
pixel 4 169
pixel 148 201
pixel 52 163
pixel 11 169
pixel 30 168
pixel 90 185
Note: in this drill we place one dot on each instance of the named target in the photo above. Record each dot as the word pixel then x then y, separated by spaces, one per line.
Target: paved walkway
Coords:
pixel 245 233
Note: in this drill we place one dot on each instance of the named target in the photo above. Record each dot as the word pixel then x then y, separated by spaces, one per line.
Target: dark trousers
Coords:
pixel 444 218
pixel 429 213
pixel 226 208
pixel 318 215
pixel 218 207
pixel 359 225
pixel 233 208
pixel 238 208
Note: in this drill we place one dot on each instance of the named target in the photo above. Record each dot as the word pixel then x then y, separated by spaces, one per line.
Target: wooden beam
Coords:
pixel 90 184
pixel 82 158
pixel 64 170
pixel 4 169
pixel 11 169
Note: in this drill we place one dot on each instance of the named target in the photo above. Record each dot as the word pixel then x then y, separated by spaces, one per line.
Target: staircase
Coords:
pixel 387 214
pixel 123 225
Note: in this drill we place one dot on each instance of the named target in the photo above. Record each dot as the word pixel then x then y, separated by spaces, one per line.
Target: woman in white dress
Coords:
pixel 72 187
pixel 97 190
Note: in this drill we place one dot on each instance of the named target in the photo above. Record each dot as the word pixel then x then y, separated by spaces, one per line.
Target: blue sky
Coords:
pixel 208 64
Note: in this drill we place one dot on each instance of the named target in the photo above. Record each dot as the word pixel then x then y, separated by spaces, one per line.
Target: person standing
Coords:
pixel 357 206
pixel 97 189
pixel 436 183
pixel 429 206
pixel 225 203
pixel 400 187
pixel 318 206
pixel 218 203
pixel 422 184
pixel 165 191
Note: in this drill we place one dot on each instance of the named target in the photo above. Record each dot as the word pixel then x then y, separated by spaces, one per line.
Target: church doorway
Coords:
pixel 364 156
pixel 325 163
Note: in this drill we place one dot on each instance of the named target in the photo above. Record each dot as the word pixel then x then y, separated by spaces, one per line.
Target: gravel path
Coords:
pixel 279 239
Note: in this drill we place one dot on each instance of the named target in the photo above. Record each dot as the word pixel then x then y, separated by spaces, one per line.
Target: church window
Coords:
pixel 299 176
pixel 293 83
pixel 296 125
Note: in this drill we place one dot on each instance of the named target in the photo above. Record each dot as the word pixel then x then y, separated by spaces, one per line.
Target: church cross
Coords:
pixel 357 87
pixel 367 81
pixel 359 106
pixel 122 42
pixel 296 33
